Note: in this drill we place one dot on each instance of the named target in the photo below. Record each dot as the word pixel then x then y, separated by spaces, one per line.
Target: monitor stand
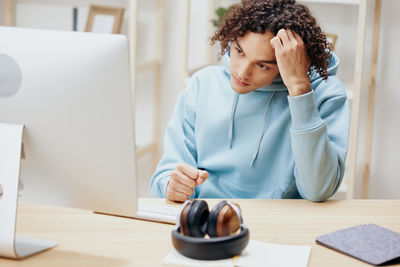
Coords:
pixel 12 246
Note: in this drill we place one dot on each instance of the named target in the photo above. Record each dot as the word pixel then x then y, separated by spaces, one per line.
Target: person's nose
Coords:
pixel 244 71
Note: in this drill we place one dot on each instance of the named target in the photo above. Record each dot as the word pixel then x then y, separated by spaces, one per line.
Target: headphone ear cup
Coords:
pixel 223 220
pixel 194 219
pixel 184 229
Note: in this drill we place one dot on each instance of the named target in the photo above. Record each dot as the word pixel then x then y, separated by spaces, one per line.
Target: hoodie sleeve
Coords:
pixel 319 135
pixel 179 140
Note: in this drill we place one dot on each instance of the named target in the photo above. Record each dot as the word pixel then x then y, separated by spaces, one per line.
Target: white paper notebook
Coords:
pixel 257 253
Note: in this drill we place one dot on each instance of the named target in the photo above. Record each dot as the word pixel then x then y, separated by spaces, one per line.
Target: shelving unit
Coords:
pixel 366 168
pixel 156 66
pixel 185 22
pixel 10 13
pixel 153 65
pixel 353 170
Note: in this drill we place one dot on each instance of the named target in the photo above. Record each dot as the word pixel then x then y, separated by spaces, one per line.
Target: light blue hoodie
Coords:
pixel 264 144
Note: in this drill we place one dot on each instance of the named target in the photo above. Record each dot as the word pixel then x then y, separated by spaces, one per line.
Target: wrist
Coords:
pixel 300 88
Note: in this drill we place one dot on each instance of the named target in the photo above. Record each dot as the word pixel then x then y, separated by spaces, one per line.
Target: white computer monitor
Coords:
pixel 75 102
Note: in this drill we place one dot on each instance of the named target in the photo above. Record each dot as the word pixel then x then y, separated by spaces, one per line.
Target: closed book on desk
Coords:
pixel 368 242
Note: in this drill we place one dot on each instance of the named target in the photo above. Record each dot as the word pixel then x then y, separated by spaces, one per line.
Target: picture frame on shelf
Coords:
pixel 104 19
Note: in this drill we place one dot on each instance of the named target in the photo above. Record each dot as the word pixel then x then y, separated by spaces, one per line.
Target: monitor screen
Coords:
pixel 72 93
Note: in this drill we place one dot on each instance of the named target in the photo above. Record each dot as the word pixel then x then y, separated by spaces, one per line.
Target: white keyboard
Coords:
pixel 160 213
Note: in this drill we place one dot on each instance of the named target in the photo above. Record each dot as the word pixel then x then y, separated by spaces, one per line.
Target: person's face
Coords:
pixel 253 62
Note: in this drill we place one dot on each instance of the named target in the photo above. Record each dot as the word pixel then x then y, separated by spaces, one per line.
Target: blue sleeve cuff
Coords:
pixel 304 112
pixel 160 187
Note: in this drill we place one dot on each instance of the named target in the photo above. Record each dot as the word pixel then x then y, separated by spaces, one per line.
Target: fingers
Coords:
pixel 181 188
pixel 174 195
pixel 287 38
pixel 188 170
pixel 283 35
pixel 177 191
pixel 198 175
pixel 298 38
pixel 183 180
pixel 203 175
pixel 276 43
pixel 290 36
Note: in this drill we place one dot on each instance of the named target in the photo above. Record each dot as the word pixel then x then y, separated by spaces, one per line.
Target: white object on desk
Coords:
pixel 154 212
pixel 12 246
pixel 257 253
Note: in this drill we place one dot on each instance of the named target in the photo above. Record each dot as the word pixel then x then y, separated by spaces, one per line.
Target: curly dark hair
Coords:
pixel 260 16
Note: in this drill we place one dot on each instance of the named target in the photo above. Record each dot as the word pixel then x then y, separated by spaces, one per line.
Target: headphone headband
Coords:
pixel 236 209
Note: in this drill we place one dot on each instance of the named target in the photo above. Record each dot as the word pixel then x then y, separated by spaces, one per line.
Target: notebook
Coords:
pixel 257 253
pixel 368 242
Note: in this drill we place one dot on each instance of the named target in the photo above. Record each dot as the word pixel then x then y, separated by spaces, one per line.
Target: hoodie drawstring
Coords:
pixel 262 130
pixel 231 119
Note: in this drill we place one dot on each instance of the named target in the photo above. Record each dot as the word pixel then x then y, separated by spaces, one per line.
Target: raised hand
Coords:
pixel 293 61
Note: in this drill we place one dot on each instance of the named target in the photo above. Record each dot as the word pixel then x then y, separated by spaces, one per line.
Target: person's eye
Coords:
pixel 238 51
pixel 263 67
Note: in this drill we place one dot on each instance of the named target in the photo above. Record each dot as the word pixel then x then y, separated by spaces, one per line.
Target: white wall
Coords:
pixel 385 181
pixel 338 19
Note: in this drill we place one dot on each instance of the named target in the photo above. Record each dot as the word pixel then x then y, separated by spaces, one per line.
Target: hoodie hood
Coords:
pixel 277 84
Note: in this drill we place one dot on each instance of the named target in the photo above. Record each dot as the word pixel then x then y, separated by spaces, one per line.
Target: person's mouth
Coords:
pixel 239 82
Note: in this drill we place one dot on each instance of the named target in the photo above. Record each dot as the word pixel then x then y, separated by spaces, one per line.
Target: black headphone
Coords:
pixel 221 224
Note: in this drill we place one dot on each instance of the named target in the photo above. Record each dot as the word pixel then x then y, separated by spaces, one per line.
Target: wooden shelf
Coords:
pixel 10 13
pixel 148 66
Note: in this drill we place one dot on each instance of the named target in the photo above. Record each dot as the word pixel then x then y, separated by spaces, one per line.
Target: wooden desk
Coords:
pixel 87 239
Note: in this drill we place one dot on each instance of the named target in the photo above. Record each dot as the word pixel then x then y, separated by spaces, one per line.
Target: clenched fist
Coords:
pixel 183 180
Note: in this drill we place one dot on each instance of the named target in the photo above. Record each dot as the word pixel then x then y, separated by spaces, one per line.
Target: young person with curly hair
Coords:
pixel 271 122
